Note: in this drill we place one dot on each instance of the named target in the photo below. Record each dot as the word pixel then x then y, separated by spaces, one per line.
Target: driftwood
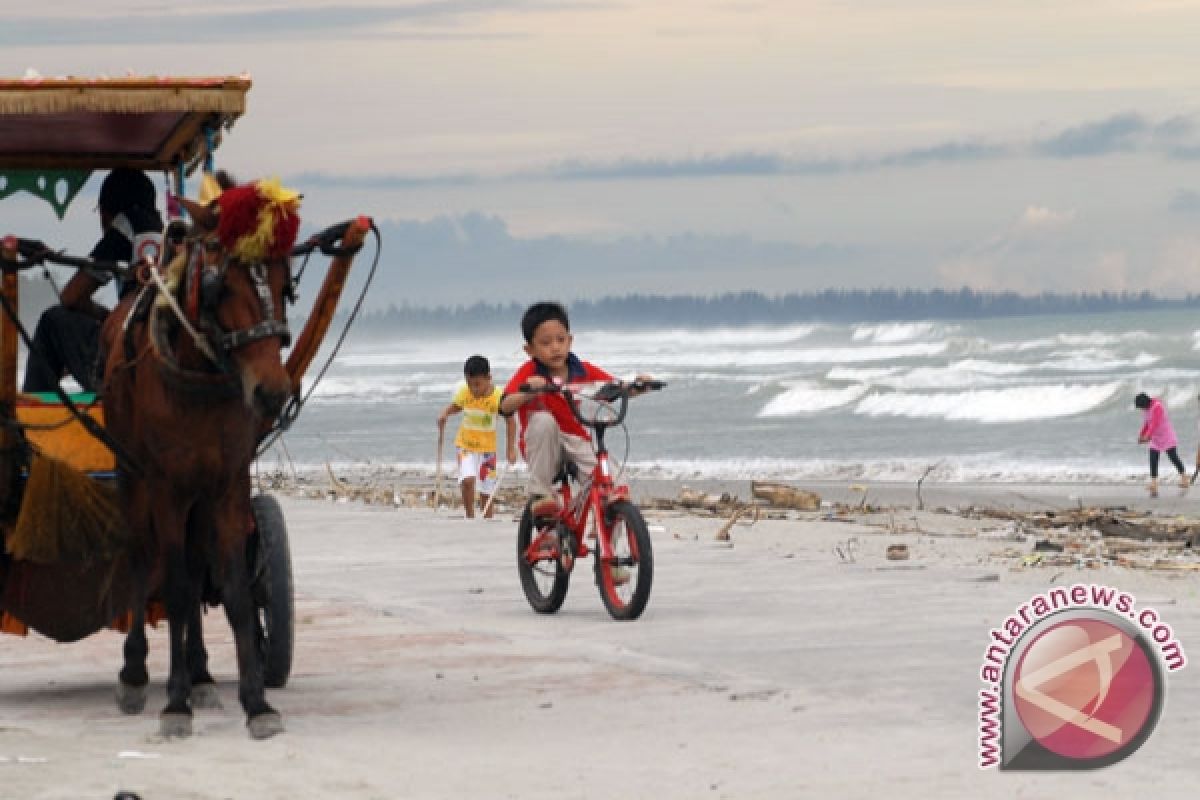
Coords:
pixel 783 496
pixel 723 532
pixel 692 498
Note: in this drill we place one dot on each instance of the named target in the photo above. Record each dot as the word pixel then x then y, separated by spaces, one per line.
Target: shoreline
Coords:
pixel 1013 496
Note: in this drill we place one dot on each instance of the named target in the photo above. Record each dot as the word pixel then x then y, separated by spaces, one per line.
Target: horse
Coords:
pixel 188 400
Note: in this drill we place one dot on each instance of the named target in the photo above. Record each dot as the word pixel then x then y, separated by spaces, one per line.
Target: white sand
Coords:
pixel 767 670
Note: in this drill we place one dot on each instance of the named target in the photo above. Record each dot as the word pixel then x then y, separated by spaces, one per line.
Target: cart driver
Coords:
pixel 67 335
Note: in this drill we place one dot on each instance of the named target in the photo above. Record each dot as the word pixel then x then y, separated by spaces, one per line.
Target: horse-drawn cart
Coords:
pixel 67 585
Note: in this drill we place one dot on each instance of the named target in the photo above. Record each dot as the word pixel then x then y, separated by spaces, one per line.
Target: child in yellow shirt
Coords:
pixel 479 401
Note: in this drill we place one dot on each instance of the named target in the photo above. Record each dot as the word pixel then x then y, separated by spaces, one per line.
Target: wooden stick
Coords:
pixel 437 473
pixel 499 476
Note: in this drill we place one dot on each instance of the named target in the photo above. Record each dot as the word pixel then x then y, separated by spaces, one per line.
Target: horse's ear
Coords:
pixel 204 216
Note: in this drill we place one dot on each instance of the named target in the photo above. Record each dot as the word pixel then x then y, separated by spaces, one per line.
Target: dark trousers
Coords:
pixel 65 341
pixel 1171 454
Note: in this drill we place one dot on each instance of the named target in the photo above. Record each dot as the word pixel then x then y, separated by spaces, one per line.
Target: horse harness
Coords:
pixel 202 285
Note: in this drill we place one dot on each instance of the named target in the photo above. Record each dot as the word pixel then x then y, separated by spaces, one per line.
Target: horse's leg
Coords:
pixel 132 680
pixel 181 598
pixel 261 720
pixel 204 688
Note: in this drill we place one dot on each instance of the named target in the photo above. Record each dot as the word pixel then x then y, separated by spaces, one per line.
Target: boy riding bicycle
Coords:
pixel 550 433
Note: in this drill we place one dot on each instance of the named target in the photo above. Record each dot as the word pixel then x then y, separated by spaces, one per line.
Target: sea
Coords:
pixel 1004 400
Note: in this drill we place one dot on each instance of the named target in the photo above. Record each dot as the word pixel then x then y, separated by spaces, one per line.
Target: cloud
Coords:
pixel 1122 133
pixel 1115 134
pixel 196 25
pixel 1172 138
pixel 743 164
pixel 1185 201
pixel 1042 218
pixel 454 259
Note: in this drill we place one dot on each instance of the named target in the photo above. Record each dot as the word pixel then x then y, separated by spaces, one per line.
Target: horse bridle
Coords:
pixel 212 279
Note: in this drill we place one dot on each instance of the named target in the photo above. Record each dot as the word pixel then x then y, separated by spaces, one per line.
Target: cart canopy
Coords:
pixel 55 131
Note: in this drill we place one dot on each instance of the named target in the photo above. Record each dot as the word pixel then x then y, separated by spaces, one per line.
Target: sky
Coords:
pixel 512 148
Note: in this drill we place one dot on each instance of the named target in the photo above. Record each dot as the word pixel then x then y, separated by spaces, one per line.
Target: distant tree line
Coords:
pixel 756 308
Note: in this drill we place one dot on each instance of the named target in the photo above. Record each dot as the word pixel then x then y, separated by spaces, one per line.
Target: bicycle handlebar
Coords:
pixel 606 394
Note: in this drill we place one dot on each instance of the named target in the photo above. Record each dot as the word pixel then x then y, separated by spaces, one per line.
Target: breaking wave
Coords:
pixel 1014 404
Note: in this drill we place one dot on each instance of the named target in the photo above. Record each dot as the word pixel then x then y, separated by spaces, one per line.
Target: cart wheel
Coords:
pixel 271 588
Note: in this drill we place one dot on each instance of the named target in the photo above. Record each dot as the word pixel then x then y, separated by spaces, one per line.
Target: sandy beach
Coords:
pixel 774 667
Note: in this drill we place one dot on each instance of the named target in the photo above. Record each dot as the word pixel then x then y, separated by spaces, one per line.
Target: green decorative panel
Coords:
pixel 58 188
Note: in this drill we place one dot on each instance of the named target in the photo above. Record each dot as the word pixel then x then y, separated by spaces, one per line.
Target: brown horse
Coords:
pixel 190 411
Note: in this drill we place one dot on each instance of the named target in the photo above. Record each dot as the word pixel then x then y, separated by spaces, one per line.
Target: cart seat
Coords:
pixel 55 432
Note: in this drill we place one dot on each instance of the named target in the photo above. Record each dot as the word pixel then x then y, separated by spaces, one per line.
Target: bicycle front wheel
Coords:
pixel 624 581
pixel 539 564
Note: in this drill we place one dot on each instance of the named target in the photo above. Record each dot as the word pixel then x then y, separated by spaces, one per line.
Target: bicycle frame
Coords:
pixel 624 560
pixel 601 492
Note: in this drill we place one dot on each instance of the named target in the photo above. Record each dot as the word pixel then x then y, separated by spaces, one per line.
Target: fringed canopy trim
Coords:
pixel 124 95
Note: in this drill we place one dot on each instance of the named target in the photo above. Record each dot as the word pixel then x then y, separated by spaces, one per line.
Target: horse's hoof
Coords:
pixel 130 699
pixel 205 696
pixel 174 724
pixel 265 725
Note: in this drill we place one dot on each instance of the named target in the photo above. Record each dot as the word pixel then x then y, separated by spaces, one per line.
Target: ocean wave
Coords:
pixel 1095 361
pixel 1076 340
pixel 381 389
pixel 711 359
pixel 964 374
pixel 1015 404
pixel 1102 338
pixel 895 332
pixel 980 468
pixel 607 340
pixel 809 399
pixel 984 468
pixel 1181 396
pixel 860 374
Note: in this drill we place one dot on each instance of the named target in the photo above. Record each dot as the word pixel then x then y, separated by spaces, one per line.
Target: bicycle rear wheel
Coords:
pixel 624 581
pixel 543 578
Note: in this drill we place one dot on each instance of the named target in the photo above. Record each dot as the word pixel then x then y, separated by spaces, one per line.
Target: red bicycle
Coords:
pixel 547 548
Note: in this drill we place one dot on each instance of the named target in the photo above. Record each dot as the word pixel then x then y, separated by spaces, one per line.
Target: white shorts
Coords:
pixel 480 466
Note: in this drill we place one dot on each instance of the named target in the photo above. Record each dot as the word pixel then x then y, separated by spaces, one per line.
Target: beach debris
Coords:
pixel 1047 546
pixel 717 503
pixel 897 552
pixel 723 533
pixel 858 487
pixel 784 496
pixel 847 551
pixel 924 475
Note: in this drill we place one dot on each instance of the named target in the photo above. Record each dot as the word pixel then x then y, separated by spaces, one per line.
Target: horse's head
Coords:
pixel 250 316
pixel 242 278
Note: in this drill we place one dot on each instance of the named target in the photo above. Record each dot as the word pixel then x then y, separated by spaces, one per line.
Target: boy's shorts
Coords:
pixel 480 466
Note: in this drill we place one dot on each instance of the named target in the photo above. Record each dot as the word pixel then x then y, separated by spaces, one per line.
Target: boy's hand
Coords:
pixel 512 454
pixel 535 381
pixel 641 378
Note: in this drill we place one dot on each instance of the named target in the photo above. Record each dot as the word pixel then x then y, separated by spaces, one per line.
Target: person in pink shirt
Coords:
pixel 1158 433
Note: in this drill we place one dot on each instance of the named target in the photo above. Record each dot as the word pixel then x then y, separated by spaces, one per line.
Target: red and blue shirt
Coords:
pixel 577 372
